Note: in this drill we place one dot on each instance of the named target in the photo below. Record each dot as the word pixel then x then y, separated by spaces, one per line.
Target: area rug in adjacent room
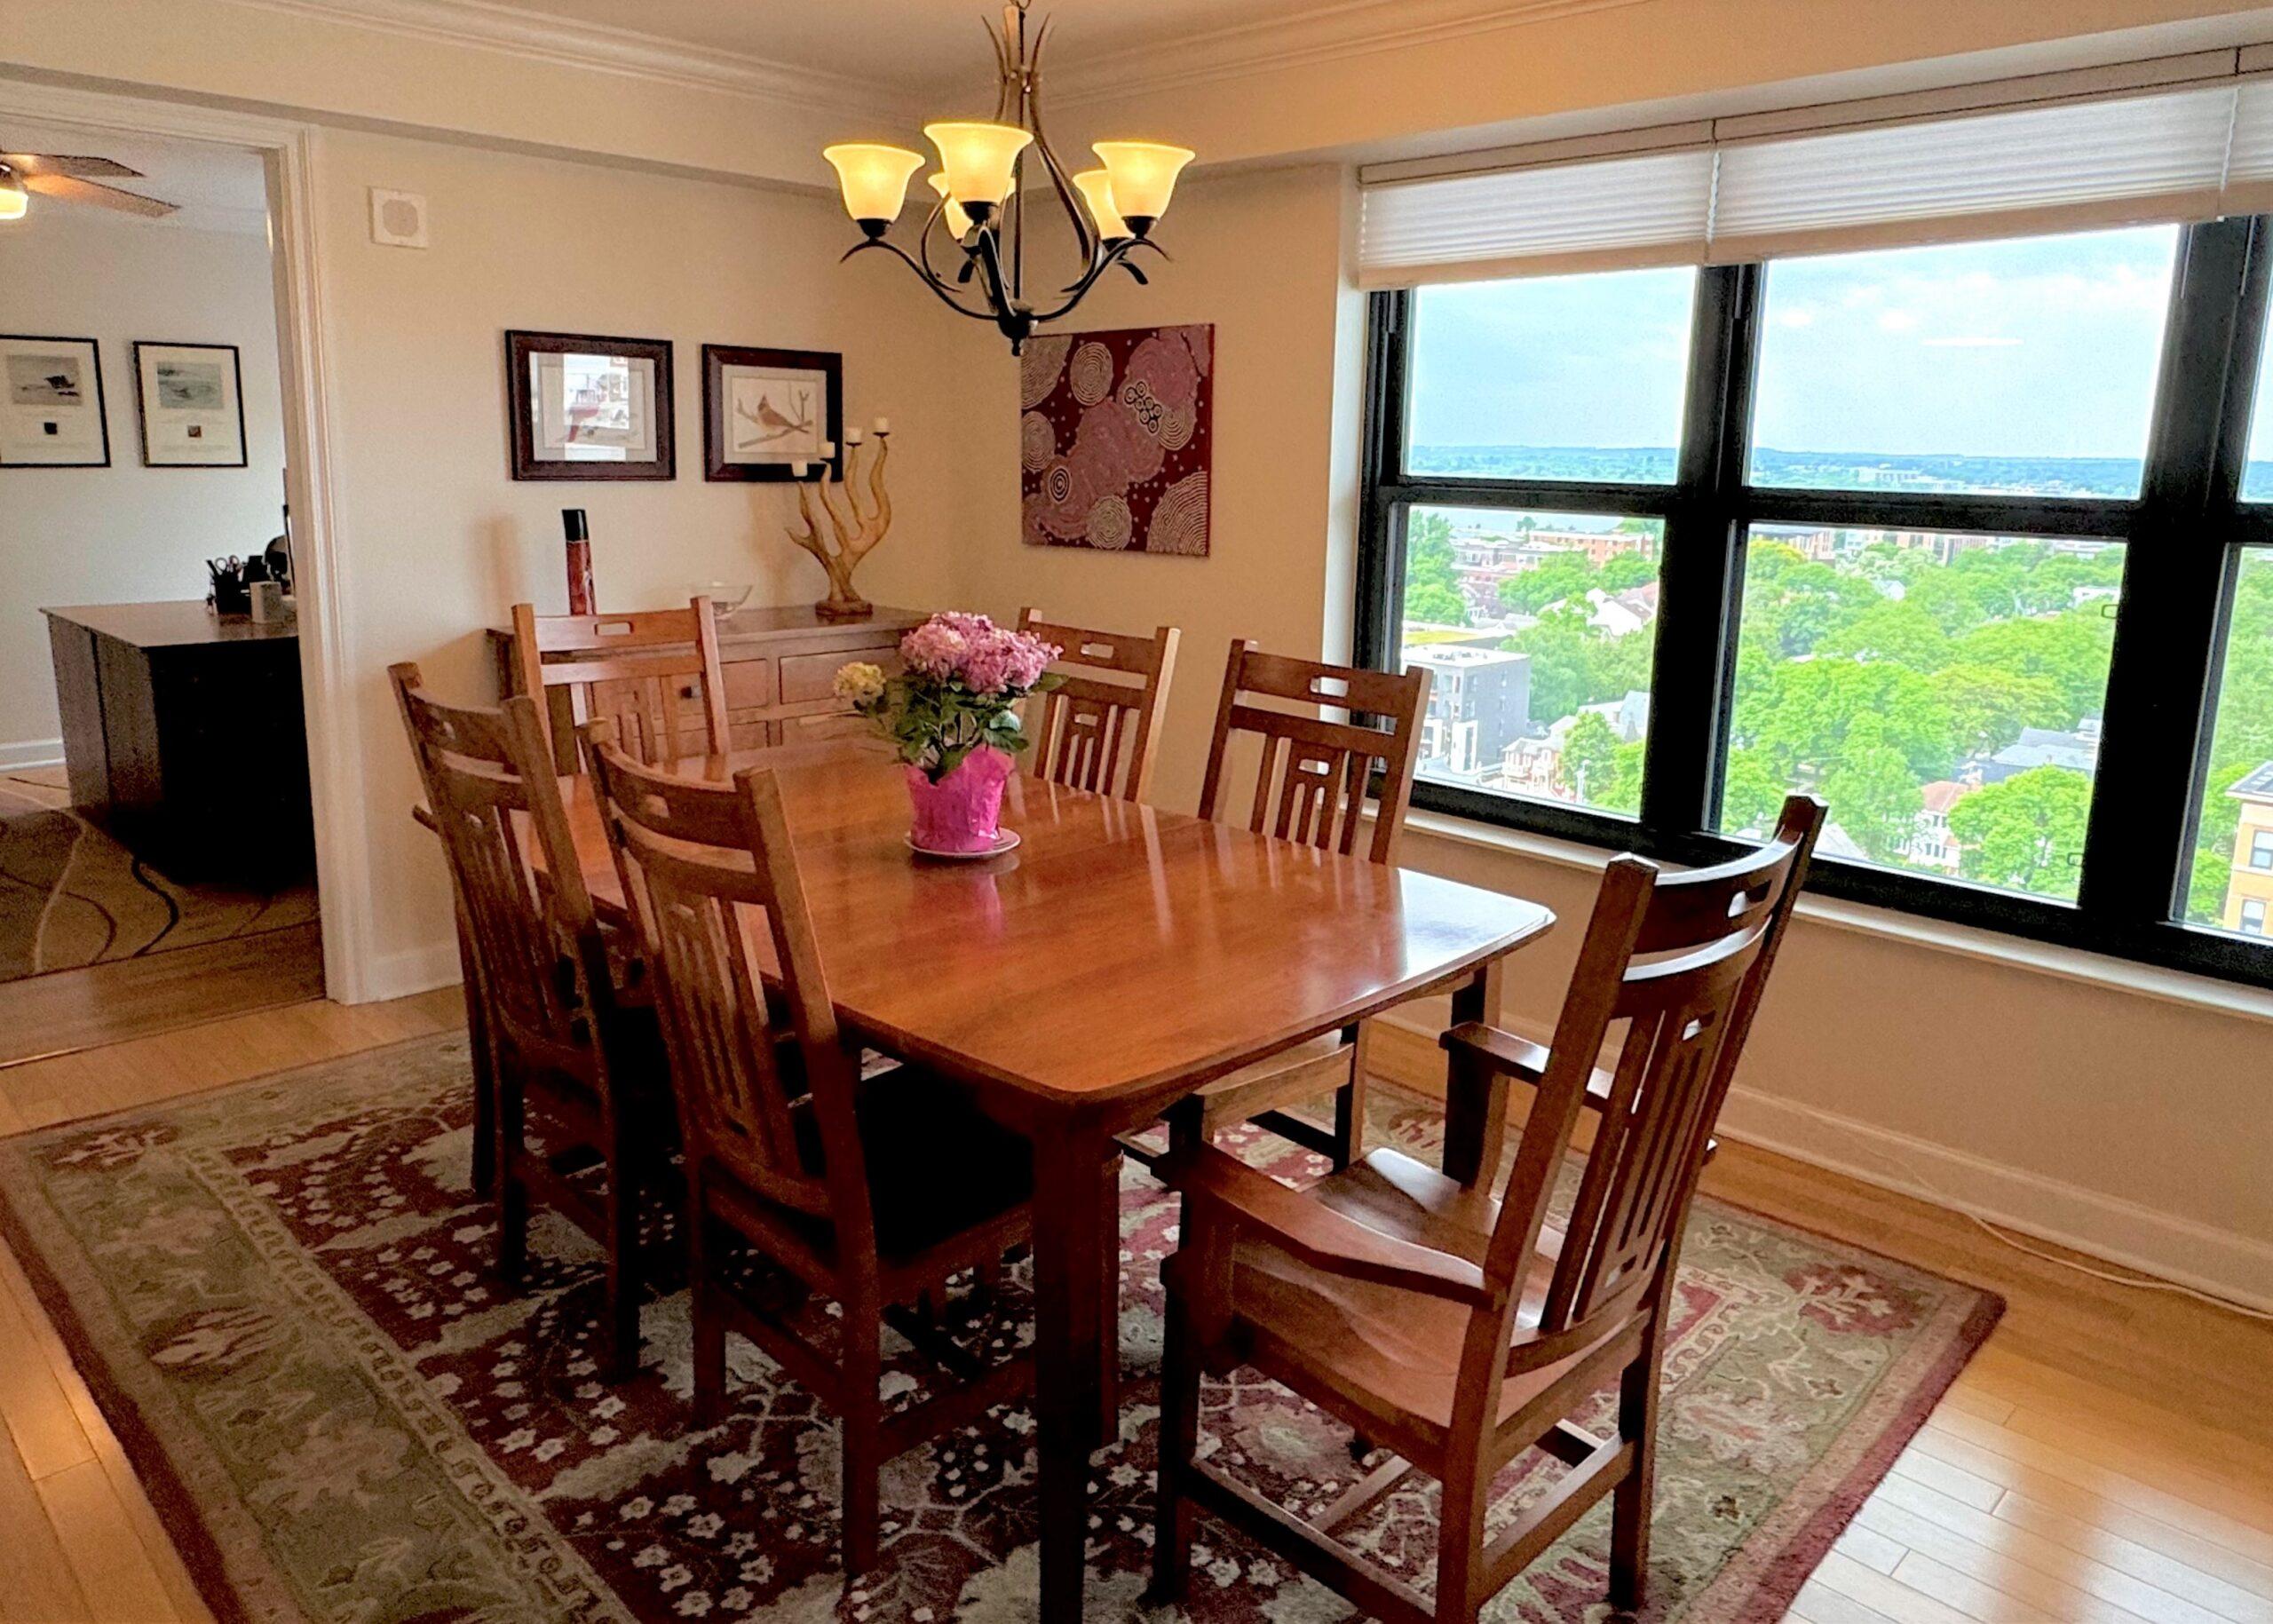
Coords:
pixel 280 1295
pixel 72 896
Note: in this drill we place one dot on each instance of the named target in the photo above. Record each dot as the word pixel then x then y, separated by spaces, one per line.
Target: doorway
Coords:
pixel 157 851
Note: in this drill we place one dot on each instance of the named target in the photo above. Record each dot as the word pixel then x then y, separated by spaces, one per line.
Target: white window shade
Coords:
pixel 1653 209
pixel 1985 174
pixel 2175 151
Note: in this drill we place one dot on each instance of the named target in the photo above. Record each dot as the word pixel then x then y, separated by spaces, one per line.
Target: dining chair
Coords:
pixel 1100 728
pixel 638 669
pixel 1310 785
pixel 1460 1330
pixel 873 1191
pixel 556 1035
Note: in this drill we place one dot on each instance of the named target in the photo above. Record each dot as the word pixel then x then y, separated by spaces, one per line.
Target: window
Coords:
pixel 2019 367
pixel 1536 629
pixel 1560 377
pixel 1943 535
pixel 1942 692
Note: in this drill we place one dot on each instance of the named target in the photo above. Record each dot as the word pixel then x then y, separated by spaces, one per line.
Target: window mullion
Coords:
pixel 2167 621
pixel 1698 579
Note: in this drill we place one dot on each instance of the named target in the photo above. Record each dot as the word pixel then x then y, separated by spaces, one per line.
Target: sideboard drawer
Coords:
pixel 806 678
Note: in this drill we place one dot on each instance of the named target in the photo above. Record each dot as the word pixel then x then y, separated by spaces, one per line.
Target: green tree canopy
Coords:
pixel 2026 833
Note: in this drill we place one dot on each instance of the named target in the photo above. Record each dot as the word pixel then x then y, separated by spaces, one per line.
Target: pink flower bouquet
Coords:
pixel 950 716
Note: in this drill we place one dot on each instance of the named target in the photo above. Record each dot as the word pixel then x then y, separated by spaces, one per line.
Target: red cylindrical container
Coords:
pixel 579 561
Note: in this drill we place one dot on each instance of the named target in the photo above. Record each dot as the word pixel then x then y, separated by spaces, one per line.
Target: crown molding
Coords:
pixel 1323 33
pixel 486 25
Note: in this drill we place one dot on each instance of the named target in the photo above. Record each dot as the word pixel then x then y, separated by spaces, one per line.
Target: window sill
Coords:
pixel 1965 941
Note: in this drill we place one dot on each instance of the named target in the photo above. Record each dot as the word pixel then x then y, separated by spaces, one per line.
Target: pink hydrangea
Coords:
pixel 972 649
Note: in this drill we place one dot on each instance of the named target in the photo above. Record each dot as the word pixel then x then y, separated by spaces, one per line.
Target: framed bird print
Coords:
pixel 766 411
pixel 51 404
pixel 588 408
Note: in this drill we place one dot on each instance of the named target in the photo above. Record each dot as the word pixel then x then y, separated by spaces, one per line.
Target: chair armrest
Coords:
pixel 1527 1062
pixel 1316 1234
pixel 1518 1058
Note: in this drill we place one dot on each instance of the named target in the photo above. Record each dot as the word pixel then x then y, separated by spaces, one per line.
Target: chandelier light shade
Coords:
pixel 13 202
pixel 1144 178
pixel 981 161
pixel 951 211
pixel 875 178
pixel 986 185
pixel 1096 188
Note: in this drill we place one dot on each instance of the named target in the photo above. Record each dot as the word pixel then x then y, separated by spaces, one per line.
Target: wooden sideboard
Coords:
pixel 183 734
pixel 780 664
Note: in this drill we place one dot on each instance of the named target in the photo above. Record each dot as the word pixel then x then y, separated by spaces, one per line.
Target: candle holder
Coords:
pixel 855 533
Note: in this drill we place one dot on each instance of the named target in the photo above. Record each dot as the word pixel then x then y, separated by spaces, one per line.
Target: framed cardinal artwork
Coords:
pixel 766 411
pixel 1116 437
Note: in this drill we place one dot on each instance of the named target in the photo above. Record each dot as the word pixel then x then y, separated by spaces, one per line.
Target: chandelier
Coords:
pixel 982 209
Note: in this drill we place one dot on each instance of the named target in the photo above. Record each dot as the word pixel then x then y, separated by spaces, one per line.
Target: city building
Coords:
pixel 1931 845
pixel 2045 746
pixel 2249 893
pixel 1479 702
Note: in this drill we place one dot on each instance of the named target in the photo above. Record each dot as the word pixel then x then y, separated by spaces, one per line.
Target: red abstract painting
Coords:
pixel 1116 438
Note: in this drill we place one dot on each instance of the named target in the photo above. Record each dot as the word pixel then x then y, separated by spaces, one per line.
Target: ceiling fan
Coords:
pixel 70 179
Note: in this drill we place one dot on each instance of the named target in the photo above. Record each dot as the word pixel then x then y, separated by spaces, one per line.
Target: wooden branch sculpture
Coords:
pixel 855 533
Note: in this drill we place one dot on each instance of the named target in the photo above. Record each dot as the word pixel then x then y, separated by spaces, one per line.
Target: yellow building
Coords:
pixel 2249 893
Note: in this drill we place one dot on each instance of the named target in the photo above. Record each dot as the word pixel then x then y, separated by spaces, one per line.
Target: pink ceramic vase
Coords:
pixel 962 811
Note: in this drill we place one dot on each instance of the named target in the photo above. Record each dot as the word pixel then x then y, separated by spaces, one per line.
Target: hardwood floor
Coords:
pixel 2107 1457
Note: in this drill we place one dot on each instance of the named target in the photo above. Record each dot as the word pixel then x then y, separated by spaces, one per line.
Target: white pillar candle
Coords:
pixel 853 437
pixel 797 470
pixel 883 425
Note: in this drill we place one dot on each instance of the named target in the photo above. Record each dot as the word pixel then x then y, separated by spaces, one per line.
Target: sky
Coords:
pixel 2038 348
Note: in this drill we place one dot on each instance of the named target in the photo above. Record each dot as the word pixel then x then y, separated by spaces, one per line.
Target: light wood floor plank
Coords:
pixel 1985 1602
pixel 2205 1556
pixel 37 1584
pixel 114 1572
pixel 2179 1578
pixel 1982 1569
pixel 1958 1484
pixel 1897 1601
pixel 46 1437
pixel 1818 1603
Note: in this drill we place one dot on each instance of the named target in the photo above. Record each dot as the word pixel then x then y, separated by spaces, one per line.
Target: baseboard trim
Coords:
pixel 2123 1232
pixel 31 753
pixel 411 971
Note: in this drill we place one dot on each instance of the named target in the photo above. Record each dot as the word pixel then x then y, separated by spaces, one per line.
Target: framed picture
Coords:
pixel 1117 439
pixel 585 407
pixel 765 410
pixel 191 405
pixel 51 404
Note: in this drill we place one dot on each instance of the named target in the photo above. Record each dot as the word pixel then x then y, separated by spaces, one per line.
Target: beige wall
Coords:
pixel 117 534
pixel 432 540
pixel 1281 509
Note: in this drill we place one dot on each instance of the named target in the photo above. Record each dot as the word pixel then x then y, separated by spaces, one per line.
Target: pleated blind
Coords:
pixel 2175 152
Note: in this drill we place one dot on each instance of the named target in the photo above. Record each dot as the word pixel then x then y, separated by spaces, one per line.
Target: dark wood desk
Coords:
pixel 183 734
pixel 1118 959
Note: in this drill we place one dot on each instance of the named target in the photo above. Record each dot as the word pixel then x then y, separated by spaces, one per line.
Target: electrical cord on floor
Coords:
pixel 2139 1282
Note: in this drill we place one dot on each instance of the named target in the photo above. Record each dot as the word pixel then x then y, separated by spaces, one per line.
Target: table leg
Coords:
pixel 1068 1246
pixel 485 1083
pixel 1476 1096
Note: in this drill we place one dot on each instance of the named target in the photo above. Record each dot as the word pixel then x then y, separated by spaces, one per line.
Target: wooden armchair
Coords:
pixel 1310 785
pixel 1461 1330
pixel 544 1005
pixel 637 670
pixel 874 1192
pixel 1106 712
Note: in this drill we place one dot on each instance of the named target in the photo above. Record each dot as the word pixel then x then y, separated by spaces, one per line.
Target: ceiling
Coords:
pixel 217 188
pixel 918 44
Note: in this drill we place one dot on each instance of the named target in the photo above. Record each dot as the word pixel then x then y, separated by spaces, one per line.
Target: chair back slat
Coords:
pixel 1681 961
pixel 1098 730
pixel 713 883
pixel 489 785
pixel 1314 771
pixel 636 671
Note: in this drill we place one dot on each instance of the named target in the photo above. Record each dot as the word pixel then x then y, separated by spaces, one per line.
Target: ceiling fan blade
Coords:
pixel 68 190
pixel 67 163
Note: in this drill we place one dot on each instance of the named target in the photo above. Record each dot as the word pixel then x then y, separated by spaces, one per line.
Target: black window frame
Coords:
pixel 2184 536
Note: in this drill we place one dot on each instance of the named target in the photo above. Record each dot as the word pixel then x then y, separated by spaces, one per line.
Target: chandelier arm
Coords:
pixel 1115 255
pixel 923 249
pixel 1059 180
pixel 938 290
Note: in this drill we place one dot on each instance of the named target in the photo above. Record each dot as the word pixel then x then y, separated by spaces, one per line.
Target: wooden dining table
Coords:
pixel 1083 984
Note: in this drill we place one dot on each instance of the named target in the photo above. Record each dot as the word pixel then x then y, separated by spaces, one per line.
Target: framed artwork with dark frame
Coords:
pixel 588 408
pixel 191 400
pixel 766 411
pixel 51 410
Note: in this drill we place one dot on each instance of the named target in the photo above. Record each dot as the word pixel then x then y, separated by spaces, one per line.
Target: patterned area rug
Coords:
pixel 71 896
pixel 281 1296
